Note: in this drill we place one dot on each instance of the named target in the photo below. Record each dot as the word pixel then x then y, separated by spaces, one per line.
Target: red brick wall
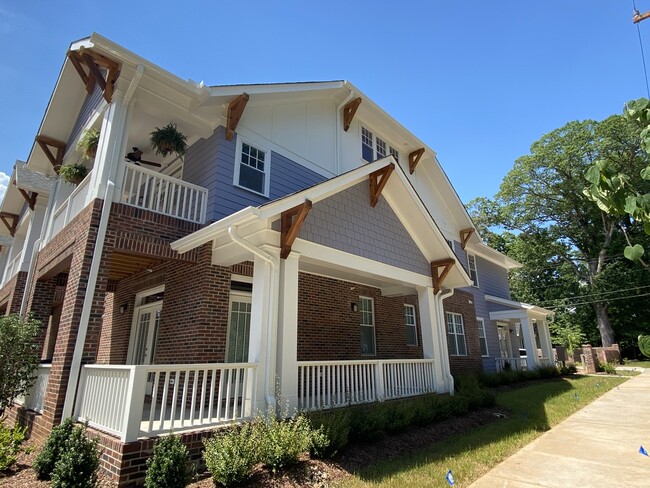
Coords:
pixel 462 302
pixel 328 329
pixel 11 294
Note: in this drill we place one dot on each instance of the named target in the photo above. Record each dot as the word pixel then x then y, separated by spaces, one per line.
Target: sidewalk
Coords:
pixel 597 446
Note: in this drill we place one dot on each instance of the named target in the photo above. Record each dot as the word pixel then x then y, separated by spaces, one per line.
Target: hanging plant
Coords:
pixel 73 173
pixel 88 143
pixel 168 139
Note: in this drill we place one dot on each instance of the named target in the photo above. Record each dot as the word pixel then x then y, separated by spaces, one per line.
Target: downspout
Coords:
pixel 443 350
pixel 272 313
pixel 337 139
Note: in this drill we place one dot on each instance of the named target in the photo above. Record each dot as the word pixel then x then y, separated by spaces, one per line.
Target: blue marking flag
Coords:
pixel 641 451
pixel 450 477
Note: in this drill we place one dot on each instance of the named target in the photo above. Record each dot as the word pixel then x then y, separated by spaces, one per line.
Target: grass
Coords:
pixel 533 410
pixel 637 364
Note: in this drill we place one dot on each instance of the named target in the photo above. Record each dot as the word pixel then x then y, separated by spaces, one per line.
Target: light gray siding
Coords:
pixel 346 221
pixel 211 163
pixel 91 103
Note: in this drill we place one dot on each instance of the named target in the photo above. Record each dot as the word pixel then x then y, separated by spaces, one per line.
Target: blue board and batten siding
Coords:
pixel 210 163
pixel 91 104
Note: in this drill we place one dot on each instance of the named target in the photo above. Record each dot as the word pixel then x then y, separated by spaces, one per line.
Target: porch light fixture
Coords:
pixel 123 308
pixel 354 307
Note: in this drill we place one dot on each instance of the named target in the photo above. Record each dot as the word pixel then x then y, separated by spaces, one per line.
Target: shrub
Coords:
pixel 168 467
pixel 284 440
pixel 53 449
pixel 10 442
pixel 644 345
pixel 399 414
pixel 548 372
pixel 332 432
pixel 469 388
pixel 367 423
pixel 231 456
pixel 609 368
pixel 78 463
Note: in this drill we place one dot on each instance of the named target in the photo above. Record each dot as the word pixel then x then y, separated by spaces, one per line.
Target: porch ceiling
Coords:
pixel 124 265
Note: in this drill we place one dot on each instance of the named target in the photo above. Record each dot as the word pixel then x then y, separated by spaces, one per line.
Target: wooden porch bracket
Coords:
pixel 349 110
pixel 414 159
pixel 439 276
pixel 465 234
pixel 290 222
pixel 5 217
pixel 29 198
pixel 378 180
pixel 94 61
pixel 46 144
pixel 235 111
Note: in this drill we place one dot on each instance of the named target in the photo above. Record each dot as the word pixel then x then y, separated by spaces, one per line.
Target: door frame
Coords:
pixel 136 313
pixel 234 295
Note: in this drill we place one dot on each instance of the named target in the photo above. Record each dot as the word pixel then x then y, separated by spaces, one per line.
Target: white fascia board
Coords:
pixel 494 256
pixel 233 90
pixel 509 315
pixel 521 305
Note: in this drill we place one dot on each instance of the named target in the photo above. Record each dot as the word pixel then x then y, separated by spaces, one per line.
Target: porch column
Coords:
pixel 287 359
pixel 529 343
pixel 545 340
pixel 434 339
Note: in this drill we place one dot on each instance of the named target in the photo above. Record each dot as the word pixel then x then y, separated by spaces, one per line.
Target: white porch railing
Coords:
pixel 329 384
pixel 35 397
pixel 12 268
pixel 513 364
pixel 69 209
pixel 136 401
pixel 150 190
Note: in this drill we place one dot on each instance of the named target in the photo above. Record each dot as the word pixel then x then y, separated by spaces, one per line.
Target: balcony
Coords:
pixel 12 268
pixel 35 397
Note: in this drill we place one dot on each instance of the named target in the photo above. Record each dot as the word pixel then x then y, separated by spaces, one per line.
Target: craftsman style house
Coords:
pixel 306 251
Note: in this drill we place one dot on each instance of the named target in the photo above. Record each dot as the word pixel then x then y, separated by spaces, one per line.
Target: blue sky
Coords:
pixel 478 81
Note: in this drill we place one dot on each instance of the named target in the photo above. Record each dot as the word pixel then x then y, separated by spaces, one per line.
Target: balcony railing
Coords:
pixel 329 384
pixel 150 190
pixel 12 268
pixel 35 397
pixel 511 364
pixel 136 401
pixel 69 209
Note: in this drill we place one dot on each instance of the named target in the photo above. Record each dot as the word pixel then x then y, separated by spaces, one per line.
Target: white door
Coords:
pixel 504 341
pixel 146 323
pixel 239 327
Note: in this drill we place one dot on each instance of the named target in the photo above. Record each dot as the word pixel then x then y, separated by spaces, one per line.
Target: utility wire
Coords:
pixel 599 294
pixel 570 305
pixel 645 70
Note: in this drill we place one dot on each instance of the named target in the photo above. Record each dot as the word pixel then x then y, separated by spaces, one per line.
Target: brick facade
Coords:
pixel 463 303
pixel 11 294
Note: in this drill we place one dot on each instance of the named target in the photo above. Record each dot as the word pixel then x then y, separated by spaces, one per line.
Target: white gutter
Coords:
pixel 272 313
pixel 337 139
pixel 444 352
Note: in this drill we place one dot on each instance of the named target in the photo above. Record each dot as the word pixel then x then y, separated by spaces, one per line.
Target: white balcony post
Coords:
pixel 545 341
pixel 380 391
pixel 287 357
pixel 529 343
pixel 134 403
pixel 434 344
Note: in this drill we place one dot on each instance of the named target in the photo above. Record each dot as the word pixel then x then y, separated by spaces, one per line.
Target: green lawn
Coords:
pixel 637 364
pixel 533 410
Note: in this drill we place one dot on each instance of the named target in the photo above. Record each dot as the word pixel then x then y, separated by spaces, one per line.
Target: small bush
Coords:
pixel 168 467
pixel 78 463
pixel 548 372
pixel 399 414
pixel 332 432
pixel 609 368
pixel 10 445
pixel 231 457
pixel 53 449
pixel 368 423
pixel 284 440
pixel 470 389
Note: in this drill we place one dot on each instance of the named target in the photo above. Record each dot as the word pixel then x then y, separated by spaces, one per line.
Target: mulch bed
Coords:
pixel 308 472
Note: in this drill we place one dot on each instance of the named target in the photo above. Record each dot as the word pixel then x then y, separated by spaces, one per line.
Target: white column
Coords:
pixel 529 343
pixel 434 339
pixel 287 357
pixel 545 340
pixel 33 233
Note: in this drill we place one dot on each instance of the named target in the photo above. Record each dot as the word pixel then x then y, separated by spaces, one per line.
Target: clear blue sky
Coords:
pixel 478 81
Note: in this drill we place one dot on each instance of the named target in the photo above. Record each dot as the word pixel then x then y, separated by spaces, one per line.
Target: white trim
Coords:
pixel 480 322
pixel 519 305
pixel 414 324
pixel 471 268
pixel 136 310
pixel 456 334
pixel 238 162
pixel 372 326
pixel 240 297
pixel 241 278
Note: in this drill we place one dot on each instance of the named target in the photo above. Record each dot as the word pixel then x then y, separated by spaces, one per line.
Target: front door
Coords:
pixel 146 323
pixel 239 328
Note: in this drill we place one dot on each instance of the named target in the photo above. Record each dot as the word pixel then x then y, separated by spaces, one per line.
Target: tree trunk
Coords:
pixel 604 327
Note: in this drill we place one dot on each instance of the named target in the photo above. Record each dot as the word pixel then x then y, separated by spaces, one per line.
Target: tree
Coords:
pixel 18 359
pixel 542 199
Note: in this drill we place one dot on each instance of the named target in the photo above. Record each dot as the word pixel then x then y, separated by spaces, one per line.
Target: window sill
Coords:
pixel 265 195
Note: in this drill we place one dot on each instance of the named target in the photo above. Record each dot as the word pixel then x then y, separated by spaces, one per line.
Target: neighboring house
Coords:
pixel 298 255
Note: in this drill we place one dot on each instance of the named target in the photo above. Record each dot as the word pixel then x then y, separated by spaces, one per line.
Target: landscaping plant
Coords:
pixel 331 434
pixel 10 445
pixel 284 440
pixel 168 467
pixel 231 456
pixel 644 345
pixel 53 449
pixel 78 462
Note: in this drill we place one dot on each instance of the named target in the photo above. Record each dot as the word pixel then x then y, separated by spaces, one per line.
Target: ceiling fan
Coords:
pixel 136 157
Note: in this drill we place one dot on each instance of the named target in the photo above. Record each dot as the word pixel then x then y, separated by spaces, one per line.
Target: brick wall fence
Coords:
pixel 593 357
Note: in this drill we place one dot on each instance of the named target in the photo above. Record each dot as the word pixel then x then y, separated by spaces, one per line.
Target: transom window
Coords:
pixel 471 266
pixel 367 319
pixel 252 168
pixel 456 334
pixel 374 148
pixel 480 323
pixel 411 328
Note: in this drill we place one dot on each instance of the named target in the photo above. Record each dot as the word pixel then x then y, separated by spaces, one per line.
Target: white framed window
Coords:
pixel 238 333
pixel 367 322
pixel 471 267
pixel 411 327
pixel 482 340
pixel 252 167
pixel 374 147
pixel 456 334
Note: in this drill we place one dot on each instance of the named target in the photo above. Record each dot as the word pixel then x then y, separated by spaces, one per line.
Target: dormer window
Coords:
pixel 471 266
pixel 252 166
pixel 374 148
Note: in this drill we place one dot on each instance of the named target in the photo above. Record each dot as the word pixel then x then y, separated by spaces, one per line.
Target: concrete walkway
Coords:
pixel 597 446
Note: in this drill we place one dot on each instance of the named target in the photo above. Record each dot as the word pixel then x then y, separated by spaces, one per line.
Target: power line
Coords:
pixel 568 305
pixel 595 294
pixel 638 30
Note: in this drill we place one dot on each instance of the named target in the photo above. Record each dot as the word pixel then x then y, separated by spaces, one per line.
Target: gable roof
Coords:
pixel 398 193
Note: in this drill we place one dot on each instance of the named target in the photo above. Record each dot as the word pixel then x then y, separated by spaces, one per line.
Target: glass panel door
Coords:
pixel 146 326
pixel 239 328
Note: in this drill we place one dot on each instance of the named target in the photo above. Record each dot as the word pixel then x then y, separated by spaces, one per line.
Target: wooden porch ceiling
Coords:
pixel 124 265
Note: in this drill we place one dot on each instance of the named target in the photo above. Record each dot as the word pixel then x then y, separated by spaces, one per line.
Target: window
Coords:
pixel 480 323
pixel 252 168
pixel 366 308
pixel 411 328
pixel 374 148
pixel 456 334
pixel 451 243
pixel 471 265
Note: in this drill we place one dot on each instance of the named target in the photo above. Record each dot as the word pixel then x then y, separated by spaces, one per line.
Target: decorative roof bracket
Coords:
pixel 349 110
pixel 290 222
pixel 5 217
pixel 235 111
pixel 94 61
pixel 46 142
pixel 378 180
pixel 437 275
pixel 465 234
pixel 414 159
pixel 30 199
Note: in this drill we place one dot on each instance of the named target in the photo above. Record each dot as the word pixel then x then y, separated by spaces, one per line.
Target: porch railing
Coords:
pixel 12 268
pixel 329 384
pixel 150 190
pixel 69 209
pixel 513 364
pixel 35 397
pixel 136 401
